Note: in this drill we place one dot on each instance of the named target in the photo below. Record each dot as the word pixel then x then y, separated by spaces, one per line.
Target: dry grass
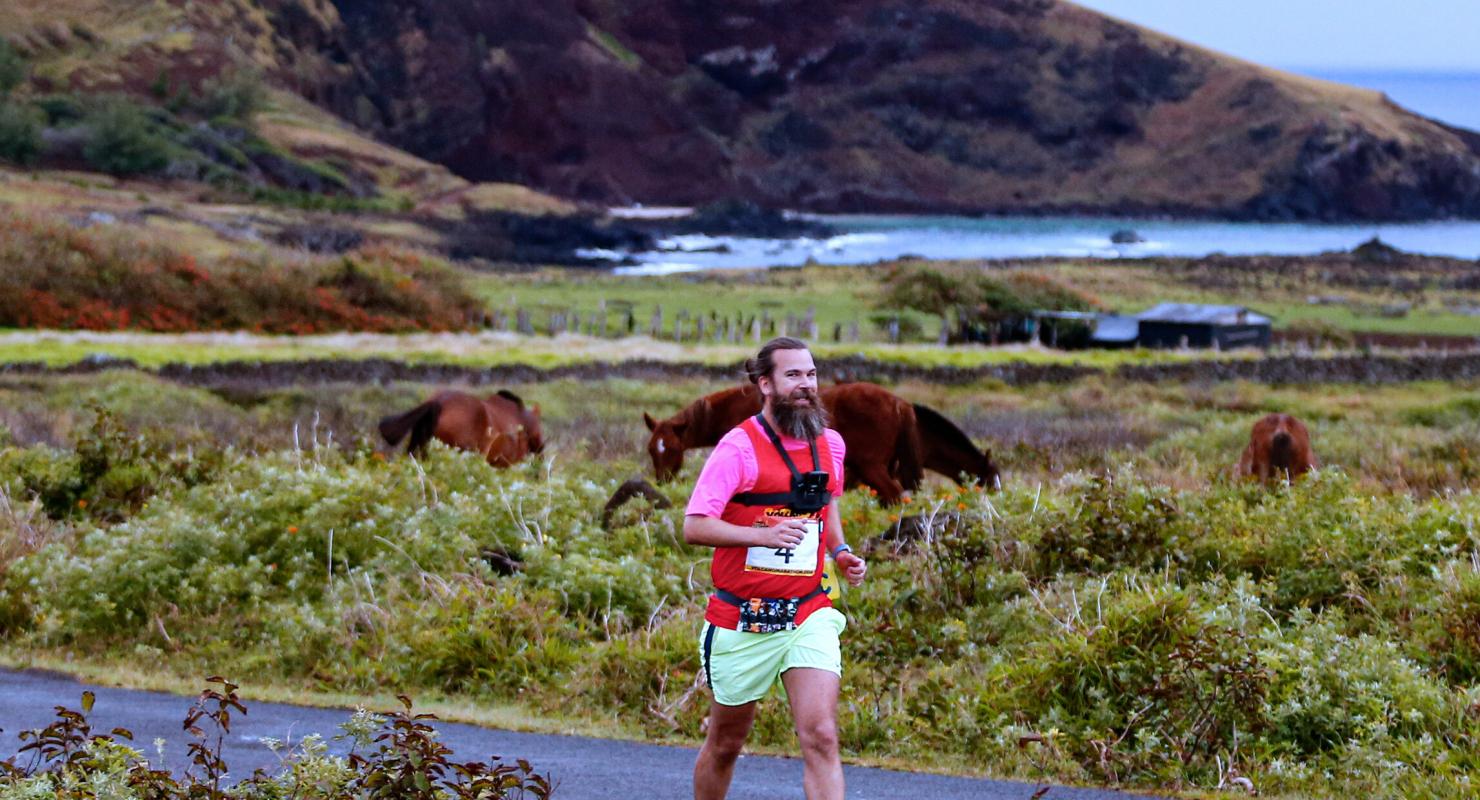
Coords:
pixel 24 528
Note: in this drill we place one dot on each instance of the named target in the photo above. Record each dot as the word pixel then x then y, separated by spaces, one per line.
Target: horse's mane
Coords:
pixel 697 414
pixel 937 425
pixel 511 397
pixel 693 412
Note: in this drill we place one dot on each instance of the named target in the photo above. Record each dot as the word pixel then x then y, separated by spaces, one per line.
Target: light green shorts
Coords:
pixel 742 667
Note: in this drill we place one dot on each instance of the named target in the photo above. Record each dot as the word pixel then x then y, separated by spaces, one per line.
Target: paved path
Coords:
pixel 584 768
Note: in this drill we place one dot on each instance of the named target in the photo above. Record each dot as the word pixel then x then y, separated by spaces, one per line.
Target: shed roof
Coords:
pixel 1115 328
pixel 1198 313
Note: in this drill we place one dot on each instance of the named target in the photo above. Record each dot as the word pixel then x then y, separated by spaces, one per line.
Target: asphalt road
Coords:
pixel 582 767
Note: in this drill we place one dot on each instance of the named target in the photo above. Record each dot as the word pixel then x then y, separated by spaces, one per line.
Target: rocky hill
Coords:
pixel 833 105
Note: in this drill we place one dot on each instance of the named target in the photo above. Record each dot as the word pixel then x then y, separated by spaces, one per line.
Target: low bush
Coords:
pixel 110 473
pixel 123 139
pixel 1317 639
pixel 980 294
pixel 65 277
pixel 20 132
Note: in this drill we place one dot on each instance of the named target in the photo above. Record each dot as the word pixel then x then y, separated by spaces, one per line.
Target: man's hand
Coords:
pixel 787 534
pixel 852 566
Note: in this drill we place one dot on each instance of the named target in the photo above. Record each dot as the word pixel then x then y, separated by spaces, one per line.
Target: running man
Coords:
pixel 766 501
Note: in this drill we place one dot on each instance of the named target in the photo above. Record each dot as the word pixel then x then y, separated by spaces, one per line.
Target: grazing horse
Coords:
pixel 498 426
pixel 701 423
pixel 878 427
pixel 948 450
pixel 1279 448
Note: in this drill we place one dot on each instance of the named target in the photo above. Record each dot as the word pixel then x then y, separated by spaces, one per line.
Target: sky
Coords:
pixel 1320 35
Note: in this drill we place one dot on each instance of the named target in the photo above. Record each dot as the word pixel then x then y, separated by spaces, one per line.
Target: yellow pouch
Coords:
pixel 831 583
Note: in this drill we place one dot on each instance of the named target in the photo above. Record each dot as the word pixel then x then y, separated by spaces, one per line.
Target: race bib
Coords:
pixel 799 560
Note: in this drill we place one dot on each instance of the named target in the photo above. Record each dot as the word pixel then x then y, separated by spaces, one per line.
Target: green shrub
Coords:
pixel 61 109
pixel 20 132
pixel 1142 679
pixel 1108 524
pixel 980 294
pixel 237 94
pixel 123 139
pixel 1455 642
pixel 1333 690
pixel 111 472
pixel 14 70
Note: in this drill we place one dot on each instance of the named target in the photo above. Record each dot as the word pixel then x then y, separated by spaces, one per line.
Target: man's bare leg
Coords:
pixel 814 708
pixel 728 728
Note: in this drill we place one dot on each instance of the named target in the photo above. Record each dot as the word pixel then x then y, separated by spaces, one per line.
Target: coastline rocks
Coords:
pixel 538 239
pixel 1376 251
pixel 744 218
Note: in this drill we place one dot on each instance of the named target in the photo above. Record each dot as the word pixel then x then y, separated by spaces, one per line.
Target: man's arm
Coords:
pixel 851 564
pixel 715 532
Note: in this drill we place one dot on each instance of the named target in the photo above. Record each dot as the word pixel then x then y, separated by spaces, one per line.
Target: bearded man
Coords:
pixel 766 501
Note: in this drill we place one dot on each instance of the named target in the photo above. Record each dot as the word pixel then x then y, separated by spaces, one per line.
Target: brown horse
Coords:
pixel 948 450
pixel 877 426
pixel 498 426
pixel 699 424
pixel 1279 449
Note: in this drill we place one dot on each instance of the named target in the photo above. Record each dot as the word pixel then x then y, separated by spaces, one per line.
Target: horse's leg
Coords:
pixel 877 477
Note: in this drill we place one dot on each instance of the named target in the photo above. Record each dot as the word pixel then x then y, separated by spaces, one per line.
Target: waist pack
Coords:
pixel 766 614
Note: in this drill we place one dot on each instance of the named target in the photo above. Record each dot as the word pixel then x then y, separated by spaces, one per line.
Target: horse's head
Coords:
pixel 528 419
pixel 987 472
pixel 665 446
pixel 532 429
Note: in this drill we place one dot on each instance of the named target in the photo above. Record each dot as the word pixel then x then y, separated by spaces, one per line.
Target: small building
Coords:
pixel 1197 325
pixel 1076 329
pixel 1115 331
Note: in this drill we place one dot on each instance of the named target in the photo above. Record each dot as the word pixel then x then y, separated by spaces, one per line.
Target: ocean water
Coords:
pixel 863 239
pixel 1452 98
pixel 1449 97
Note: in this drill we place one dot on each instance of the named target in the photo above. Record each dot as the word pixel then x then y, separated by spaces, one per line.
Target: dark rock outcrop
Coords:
pixel 744 218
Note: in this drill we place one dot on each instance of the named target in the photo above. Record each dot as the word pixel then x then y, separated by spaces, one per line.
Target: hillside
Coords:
pixel 1035 106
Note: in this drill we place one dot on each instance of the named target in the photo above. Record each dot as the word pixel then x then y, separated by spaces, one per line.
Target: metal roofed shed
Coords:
pixel 1114 330
pixel 1198 325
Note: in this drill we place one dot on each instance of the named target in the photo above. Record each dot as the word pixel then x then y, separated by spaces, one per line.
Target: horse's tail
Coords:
pixel 420 422
pixel 909 458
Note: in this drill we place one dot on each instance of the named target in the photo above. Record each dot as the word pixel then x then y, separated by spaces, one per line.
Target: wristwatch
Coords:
pixel 842 548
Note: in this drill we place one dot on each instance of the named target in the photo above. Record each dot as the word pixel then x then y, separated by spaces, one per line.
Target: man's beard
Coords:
pixel 796 421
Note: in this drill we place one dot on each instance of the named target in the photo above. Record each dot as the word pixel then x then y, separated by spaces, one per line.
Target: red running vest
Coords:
pixel 729 569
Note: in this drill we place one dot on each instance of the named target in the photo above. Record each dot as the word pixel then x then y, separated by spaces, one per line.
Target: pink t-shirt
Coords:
pixel 732 469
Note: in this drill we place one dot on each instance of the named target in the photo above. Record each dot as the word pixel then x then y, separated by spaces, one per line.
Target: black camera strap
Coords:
pixel 776 498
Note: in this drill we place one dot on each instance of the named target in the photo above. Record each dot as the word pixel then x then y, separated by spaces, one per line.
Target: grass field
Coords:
pixel 58 348
pixel 848 295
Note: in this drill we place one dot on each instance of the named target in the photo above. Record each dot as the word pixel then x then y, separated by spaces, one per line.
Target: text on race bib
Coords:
pixel 799 560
